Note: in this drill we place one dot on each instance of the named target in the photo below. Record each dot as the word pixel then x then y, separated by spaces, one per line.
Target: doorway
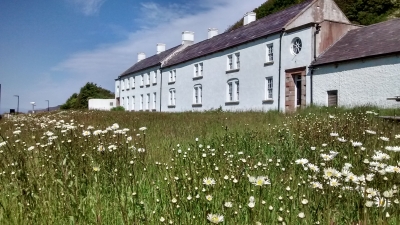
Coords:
pixel 295 89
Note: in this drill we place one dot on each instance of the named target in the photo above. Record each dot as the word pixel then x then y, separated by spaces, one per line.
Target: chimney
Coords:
pixel 212 32
pixel 160 48
pixel 248 18
pixel 141 56
pixel 187 37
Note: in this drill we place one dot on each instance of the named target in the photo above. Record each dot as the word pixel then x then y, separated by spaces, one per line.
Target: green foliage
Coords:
pixel 363 12
pixel 90 90
pixel 118 108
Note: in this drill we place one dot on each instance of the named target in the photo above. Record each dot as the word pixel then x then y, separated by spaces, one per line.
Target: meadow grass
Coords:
pixel 315 166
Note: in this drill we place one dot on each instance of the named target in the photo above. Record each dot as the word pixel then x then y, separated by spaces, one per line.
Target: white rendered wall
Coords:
pixel 101 104
pixel 138 90
pixel 359 82
pixel 251 75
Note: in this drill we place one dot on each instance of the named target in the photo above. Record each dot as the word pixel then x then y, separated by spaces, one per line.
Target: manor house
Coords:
pixel 307 54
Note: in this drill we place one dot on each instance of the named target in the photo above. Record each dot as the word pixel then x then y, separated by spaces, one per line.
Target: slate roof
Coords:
pixel 149 62
pixel 265 26
pixel 374 40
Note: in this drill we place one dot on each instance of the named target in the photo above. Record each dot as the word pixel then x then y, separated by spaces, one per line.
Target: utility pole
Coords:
pixel 17 104
pixel 48 105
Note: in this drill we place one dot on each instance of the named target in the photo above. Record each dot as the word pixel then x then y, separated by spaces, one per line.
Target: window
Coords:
pixel 197 94
pixel 154 100
pixel 142 80
pixel 172 76
pixel 233 62
pixel 127 83
pixel 237 60
pixel 123 102
pixel 233 90
pixel 270 53
pixel 148 102
pixel 133 103
pixel 230 62
pixel 122 85
pixel 148 79
pixel 155 77
pixel 127 103
pixel 111 104
pixel 332 98
pixel 141 102
pixel 172 97
pixel 117 88
pixel 268 88
pixel 132 82
pixel 296 46
pixel 198 70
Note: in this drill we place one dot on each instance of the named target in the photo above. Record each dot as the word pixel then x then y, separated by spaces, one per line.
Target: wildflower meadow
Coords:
pixel 315 166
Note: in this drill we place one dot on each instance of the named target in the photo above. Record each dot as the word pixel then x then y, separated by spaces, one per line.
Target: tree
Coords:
pixel 90 90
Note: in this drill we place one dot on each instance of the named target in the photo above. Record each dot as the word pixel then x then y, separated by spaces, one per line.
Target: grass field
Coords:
pixel 317 166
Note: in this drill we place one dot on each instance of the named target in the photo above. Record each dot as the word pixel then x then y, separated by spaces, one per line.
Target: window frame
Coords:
pixel 197 95
pixel 155 77
pixel 172 76
pixel 232 91
pixel 172 98
pixel 154 101
pixel 270 53
pixel 133 103
pixel 142 80
pixel 141 103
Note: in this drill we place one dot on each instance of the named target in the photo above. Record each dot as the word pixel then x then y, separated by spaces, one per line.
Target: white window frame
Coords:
pixel 122 85
pixel 237 60
pixel 172 76
pixel 117 88
pixel 127 103
pixel 172 97
pixel 148 101
pixel 123 102
pixel 141 102
pixel 155 77
pixel 148 79
pixel 127 83
pixel 269 88
pixel 232 90
pixel 201 69
pixel 141 80
pixel 197 94
pixel 154 100
pixel 196 70
pixel 132 82
pixel 230 62
pixel 133 103
pixel 270 52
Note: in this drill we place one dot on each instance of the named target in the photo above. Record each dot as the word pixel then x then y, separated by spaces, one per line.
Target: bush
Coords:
pixel 118 108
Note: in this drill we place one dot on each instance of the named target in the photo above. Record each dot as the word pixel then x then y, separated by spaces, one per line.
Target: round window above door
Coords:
pixel 296 46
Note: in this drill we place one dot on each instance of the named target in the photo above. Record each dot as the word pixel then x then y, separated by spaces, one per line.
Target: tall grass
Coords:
pixel 93 167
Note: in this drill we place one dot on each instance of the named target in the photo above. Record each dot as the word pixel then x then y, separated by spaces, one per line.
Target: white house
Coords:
pixel 362 68
pixel 263 65
pixel 102 104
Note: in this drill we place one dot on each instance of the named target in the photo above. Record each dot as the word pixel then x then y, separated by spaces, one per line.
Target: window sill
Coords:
pixel 197 105
pixel 147 85
pixel 141 86
pixel 198 78
pixel 140 110
pixel 232 103
pixel 269 63
pixel 154 110
pixel 232 71
pixel 268 101
pixel 171 82
pixel 133 88
pixel 154 83
pixel 171 106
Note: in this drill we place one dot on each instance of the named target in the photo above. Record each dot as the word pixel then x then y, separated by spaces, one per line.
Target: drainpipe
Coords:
pixel 280 66
pixel 317 29
pixel 160 86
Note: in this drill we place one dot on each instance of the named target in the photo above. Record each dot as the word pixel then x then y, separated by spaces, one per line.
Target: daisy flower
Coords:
pixel 215 218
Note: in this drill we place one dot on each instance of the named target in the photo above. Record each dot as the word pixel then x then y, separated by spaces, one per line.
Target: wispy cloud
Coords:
pixel 87 7
pixel 160 23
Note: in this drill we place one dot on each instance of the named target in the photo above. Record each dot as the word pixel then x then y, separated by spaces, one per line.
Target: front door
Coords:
pixel 295 89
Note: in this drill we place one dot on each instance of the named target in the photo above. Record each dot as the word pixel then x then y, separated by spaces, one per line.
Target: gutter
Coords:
pixel 317 29
pixel 280 67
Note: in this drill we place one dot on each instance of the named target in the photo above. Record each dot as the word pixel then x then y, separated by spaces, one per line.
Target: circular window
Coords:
pixel 296 46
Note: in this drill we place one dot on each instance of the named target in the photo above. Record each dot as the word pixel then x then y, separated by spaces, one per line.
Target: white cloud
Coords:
pixel 87 7
pixel 160 24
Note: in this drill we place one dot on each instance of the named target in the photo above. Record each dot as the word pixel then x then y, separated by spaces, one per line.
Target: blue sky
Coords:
pixel 50 48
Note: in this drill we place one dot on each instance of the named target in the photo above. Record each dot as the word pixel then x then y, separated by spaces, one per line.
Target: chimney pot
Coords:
pixel 187 37
pixel 141 56
pixel 160 48
pixel 249 17
pixel 212 32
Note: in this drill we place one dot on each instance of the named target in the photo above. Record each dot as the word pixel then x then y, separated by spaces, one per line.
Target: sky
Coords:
pixel 49 49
